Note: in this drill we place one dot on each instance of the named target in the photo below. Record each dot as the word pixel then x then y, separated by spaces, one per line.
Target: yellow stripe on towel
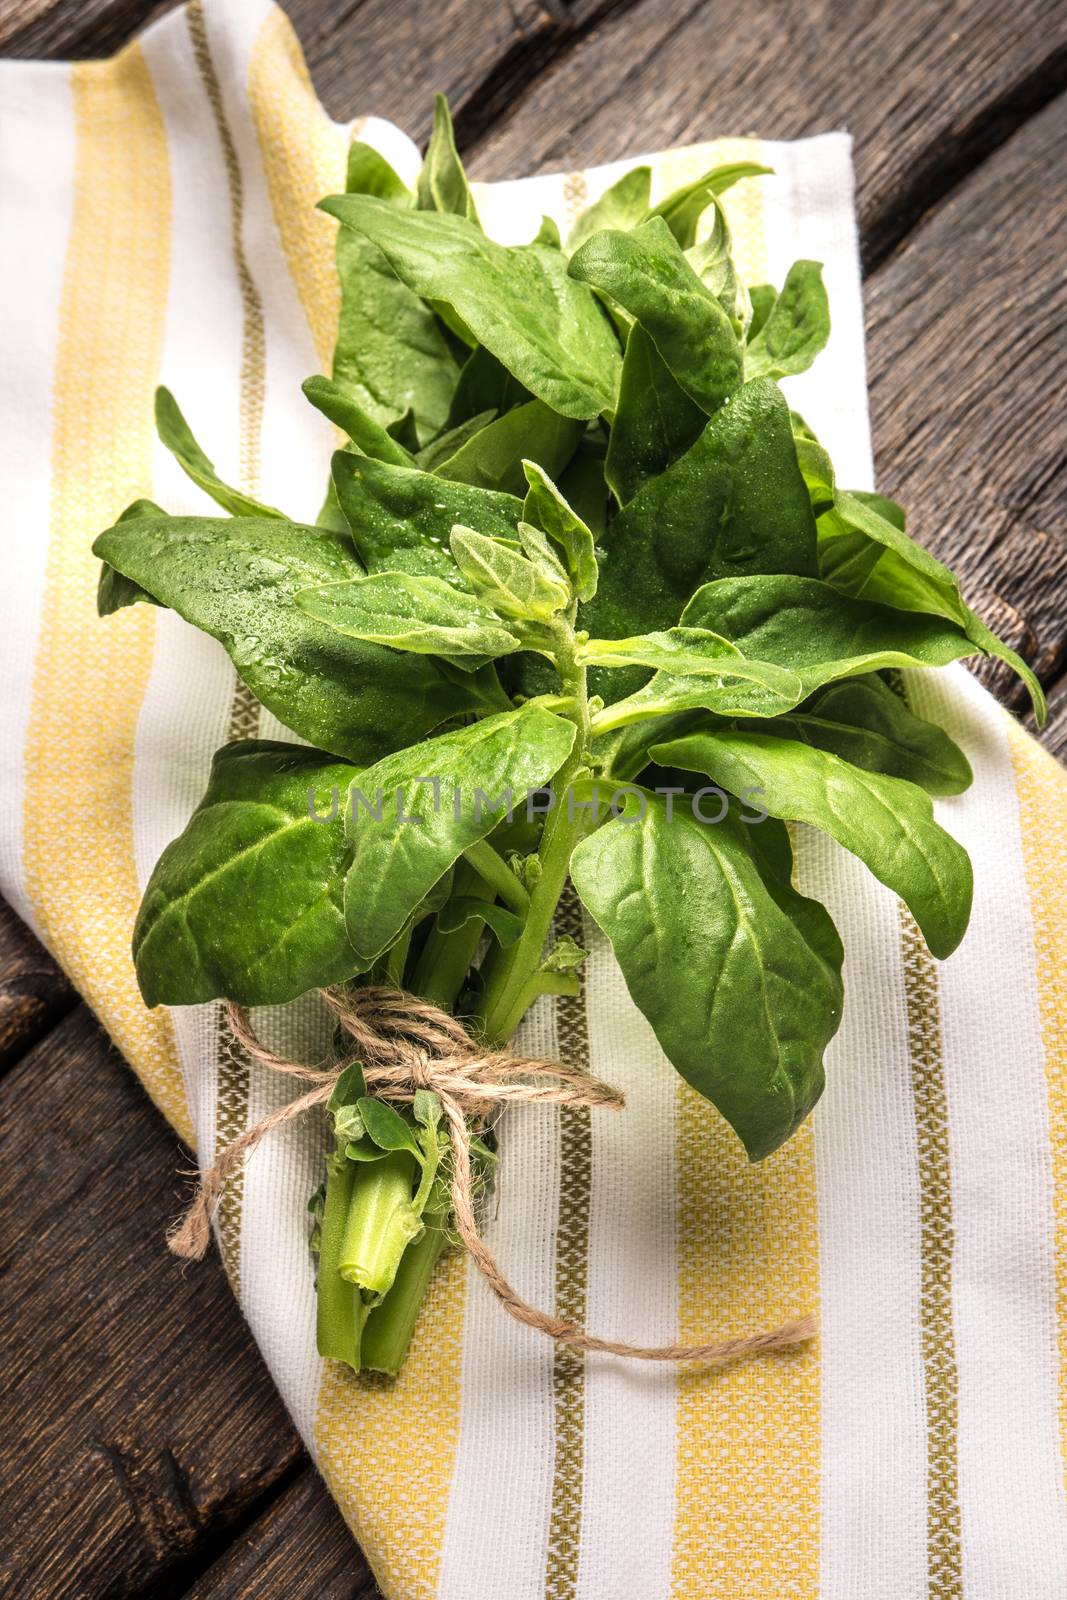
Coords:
pixel 1041 785
pixel 748 1452
pixel 303 156
pixel 387 1447
pixel 90 675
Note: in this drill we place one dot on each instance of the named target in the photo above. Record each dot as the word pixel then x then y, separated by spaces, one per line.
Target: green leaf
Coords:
pixel 689 652
pixel 751 1000
pixel 683 209
pixel 734 503
pixel 583 485
pixel 457 785
pixel 863 551
pixel 388 1129
pixel 886 822
pixel 546 509
pixel 424 615
pixel 623 205
pixel 368 172
pixel 176 434
pixel 655 420
pixel 350 1087
pixel 461 909
pixel 246 903
pixel 426 1109
pixel 818 633
pixel 443 183
pixel 762 297
pixel 446 444
pixel 647 274
pixel 740 688
pixel 815 465
pixel 513 585
pixel 493 457
pixel 391 356
pixel 546 328
pixel 796 329
pixel 237 578
pixel 711 258
pixel 365 433
pixel 566 955
pixel 485 384
pixel 402 519
pixel 864 722
pixel 114 592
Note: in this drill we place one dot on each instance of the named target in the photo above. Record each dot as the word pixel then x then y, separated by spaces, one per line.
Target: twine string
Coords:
pixel 405 1044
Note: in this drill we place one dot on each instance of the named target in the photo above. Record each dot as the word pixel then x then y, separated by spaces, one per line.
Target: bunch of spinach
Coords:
pixel 575 538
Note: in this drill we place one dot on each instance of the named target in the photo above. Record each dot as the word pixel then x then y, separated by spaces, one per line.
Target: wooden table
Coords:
pixel 146 1450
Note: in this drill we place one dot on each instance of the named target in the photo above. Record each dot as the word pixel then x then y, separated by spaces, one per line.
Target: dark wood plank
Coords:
pixel 298 1550
pixel 926 88
pixel 34 994
pixel 968 390
pixel 138 1424
pixel 381 56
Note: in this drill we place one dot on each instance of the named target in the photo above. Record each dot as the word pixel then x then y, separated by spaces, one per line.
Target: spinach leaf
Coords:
pixel 462 909
pixel 689 652
pixel 655 421
pixel 484 384
pixel 246 903
pixel 683 209
pixel 493 457
pixel 742 1001
pixel 390 355
pixel 796 328
pixel 887 822
pixel 366 434
pixel 430 458
pixel 545 327
pixel 743 688
pixel 623 205
pixel 583 484
pixel 734 503
pixel 236 578
pixel 443 183
pixel 761 298
pixel 402 519
pixel 512 584
pixel 864 551
pixel 711 258
pixel 646 273
pixel 457 786
pixel 425 615
pixel 816 468
pixel 820 634
pixel 863 721
pixel 114 591
pixel 177 435
pixel 546 508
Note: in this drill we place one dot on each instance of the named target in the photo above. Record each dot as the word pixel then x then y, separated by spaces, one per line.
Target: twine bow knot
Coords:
pixel 405 1044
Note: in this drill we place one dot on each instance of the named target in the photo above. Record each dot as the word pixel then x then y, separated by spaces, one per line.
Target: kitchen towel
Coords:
pixel 159 226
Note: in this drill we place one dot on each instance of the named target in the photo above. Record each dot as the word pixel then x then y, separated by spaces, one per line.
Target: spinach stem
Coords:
pixel 498 875
pixel 508 973
pixel 390 1325
pixel 380 1225
pixel 340 1311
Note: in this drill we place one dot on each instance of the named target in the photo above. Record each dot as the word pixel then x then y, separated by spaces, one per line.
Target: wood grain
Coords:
pixel 137 1422
pixel 34 994
pixel 968 388
pixel 298 1550
pixel 926 89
